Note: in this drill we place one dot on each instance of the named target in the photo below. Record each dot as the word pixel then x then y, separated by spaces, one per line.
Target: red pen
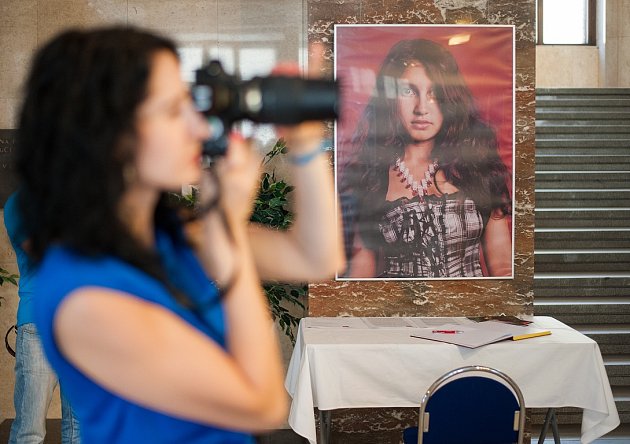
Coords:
pixel 448 332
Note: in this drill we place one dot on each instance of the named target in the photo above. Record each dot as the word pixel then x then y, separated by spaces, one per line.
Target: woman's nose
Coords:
pixel 198 125
pixel 421 106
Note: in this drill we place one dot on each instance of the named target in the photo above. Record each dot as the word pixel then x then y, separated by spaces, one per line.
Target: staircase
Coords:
pixel 582 235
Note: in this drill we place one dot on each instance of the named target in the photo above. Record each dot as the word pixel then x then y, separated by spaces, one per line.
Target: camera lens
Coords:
pixel 274 99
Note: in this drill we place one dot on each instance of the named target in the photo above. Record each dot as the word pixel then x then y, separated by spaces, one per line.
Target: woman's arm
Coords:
pixel 145 353
pixel 148 355
pixel 497 245
pixel 312 248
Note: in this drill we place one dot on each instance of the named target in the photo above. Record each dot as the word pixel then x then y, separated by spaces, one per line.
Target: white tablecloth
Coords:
pixel 351 367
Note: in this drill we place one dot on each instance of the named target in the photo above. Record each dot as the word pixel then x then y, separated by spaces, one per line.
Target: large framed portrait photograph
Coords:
pixel 424 165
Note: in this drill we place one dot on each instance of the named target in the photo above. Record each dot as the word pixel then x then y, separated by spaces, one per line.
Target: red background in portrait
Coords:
pixel 485 60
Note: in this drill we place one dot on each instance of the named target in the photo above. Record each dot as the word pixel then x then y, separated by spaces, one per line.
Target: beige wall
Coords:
pixel 567 66
pixel 230 28
pixel 604 65
pixel 616 72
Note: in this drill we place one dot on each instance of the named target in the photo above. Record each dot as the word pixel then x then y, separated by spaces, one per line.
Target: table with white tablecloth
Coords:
pixel 339 363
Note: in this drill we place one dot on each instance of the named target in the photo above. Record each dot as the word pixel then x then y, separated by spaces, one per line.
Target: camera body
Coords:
pixel 224 99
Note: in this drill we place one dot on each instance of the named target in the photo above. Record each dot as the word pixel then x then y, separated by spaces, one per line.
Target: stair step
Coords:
pixel 582 218
pixel 583 143
pixel 582 233
pixel 543 125
pixel 581 102
pixel 582 127
pixel 582 105
pixel 560 114
pixel 594 180
pixel 582 198
pixel 543 137
pixel 581 92
pixel 582 261
pixel 582 285
pixel 557 238
pixel 589 162
pixel 575 320
pixel 582 151
pixel 554 306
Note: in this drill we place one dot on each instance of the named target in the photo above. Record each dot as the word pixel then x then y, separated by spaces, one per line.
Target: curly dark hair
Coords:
pixel 76 134
pixel 465 147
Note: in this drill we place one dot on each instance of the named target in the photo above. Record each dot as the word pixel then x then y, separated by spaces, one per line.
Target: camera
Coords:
pixel 224 99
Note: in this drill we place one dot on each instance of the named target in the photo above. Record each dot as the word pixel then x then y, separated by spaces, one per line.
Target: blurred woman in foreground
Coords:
pixel 158 329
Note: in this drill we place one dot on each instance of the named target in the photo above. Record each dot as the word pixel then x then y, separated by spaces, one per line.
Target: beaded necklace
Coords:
pixel 417 188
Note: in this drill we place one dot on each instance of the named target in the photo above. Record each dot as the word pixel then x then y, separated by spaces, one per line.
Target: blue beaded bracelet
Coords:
pixel 303 159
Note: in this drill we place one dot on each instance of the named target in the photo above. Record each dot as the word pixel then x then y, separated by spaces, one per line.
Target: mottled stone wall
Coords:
pixel 445 298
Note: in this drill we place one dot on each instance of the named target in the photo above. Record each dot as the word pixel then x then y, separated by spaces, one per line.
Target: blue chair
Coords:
pixel 470 405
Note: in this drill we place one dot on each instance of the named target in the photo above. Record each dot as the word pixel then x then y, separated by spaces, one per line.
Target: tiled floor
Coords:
pixel 282 437
pixel 620 436
pixel 53 435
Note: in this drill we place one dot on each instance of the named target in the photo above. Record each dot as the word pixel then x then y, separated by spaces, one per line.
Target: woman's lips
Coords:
pixel 420 124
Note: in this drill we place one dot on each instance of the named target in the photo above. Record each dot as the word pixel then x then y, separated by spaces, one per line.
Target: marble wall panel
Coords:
pixel 57 15
pixel 8 111
pixel 18 38
pixel 404 11
pixel 14 71
pixel 439 298
pixel 446 298
pixel 521 14
pixel 321 16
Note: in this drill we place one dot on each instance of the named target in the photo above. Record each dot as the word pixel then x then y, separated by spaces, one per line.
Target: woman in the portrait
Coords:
pixel 426 193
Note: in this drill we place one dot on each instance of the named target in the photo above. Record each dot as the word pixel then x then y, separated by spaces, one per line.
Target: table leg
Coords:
pixel 550 419
pixel 554 428
pixel 324 426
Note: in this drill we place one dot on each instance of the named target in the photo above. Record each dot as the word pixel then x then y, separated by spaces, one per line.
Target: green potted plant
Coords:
pixel 270 208
pixel 6 276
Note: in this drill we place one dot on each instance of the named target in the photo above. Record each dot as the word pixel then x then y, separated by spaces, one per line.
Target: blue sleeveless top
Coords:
pixel 104 416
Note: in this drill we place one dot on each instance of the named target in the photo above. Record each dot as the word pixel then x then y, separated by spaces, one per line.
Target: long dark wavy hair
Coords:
pixel 465 147
pixel 76 135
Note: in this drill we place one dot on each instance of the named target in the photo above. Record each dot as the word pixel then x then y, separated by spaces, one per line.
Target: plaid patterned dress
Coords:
pixel 436 238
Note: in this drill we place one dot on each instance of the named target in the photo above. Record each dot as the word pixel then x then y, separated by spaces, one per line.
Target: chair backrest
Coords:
pixel 472 405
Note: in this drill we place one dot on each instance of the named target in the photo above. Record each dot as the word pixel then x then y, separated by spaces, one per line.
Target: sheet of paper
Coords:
pixel 392 322
pixel 340 322
pixel 514 330
pixel 436 322
pixel 476 335
pixel 383 322
pixel 463 335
